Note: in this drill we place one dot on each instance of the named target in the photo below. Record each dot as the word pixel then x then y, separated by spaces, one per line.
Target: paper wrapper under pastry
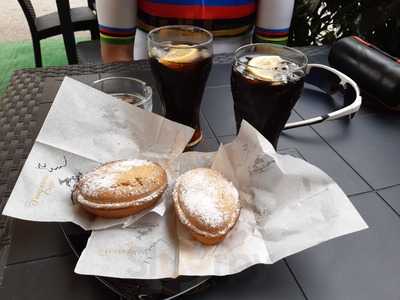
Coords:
pixel 84 129
pixel 287 205
pixel 376 72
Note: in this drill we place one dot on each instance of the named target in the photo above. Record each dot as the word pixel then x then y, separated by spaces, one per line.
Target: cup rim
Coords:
pixel 300 67
pixel 146 87
pixel 184 27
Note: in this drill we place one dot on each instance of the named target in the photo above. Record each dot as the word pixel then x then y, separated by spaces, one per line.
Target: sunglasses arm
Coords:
pixel 345 111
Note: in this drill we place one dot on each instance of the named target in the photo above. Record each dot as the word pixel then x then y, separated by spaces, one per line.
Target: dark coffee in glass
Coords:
pixel 181 59
pixel 266 82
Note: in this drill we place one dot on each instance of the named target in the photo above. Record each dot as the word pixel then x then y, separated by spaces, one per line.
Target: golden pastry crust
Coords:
pixel 206 204
pixel 121 188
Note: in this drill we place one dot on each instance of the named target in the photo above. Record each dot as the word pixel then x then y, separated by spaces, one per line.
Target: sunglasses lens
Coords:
pixel 349 94
pixel 327 81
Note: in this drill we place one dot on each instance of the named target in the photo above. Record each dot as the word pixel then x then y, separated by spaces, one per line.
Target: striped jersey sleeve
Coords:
pixel 273 21
pixel 117 21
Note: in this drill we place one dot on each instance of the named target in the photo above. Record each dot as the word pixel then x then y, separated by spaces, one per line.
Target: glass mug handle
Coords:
pixel 350 109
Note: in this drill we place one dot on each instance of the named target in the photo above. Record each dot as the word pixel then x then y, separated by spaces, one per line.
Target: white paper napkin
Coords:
pixel 84 128
pixel 288 205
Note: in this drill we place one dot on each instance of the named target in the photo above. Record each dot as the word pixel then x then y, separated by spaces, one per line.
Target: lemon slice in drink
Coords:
pixel 263 66
pixel 183 54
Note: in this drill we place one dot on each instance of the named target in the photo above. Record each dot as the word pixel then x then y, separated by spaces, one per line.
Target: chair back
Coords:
pixel 92 4
pixel 29 13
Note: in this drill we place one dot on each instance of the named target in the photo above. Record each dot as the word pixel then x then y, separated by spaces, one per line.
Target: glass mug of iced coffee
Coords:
pixel 181 59
pixel 266 82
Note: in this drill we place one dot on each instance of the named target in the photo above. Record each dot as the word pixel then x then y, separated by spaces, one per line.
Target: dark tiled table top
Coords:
pixel 361 266
pixel 392 197
pixel 361 155
pixel 44 240
pixel 51 278
pixel 259 282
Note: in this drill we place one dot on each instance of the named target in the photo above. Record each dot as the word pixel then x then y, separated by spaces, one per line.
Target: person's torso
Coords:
pixel 221 17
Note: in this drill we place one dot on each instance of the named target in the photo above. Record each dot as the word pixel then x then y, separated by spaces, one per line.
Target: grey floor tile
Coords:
pixel 392 197
pixel 220 75
pixel 217 108
pixel 51 279
pixel 207 132
pixel 364 265
pixel 259 282
pixel 207 145
pixel 370 143
pixel 359 141
pixel 317 152
pixel 36 240
pixel 226 139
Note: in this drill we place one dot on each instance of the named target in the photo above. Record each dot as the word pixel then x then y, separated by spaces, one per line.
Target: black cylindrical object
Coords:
pixel 376 72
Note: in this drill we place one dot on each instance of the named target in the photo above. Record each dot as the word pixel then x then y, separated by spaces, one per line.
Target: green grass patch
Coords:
pixel 19 55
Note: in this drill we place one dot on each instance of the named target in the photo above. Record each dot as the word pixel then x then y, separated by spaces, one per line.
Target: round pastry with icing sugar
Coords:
pixel 121 188
pixel 206 204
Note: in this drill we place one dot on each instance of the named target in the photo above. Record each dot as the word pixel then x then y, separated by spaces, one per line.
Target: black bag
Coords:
pixel 376 72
